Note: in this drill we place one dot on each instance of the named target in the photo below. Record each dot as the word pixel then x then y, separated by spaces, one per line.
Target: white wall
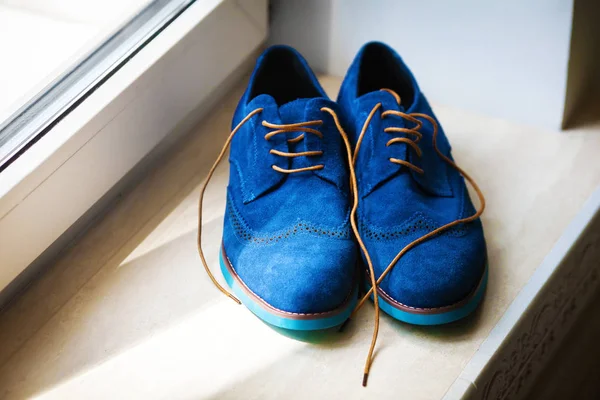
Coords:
pixel 505 58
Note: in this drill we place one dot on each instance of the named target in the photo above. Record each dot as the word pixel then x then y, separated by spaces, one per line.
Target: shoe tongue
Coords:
pixel 306 110
pixel 269 106
pixel 303 110
pixel 367 101
pixel 294 111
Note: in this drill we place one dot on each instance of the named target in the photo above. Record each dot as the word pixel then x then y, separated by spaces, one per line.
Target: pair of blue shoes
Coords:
pixel 325 195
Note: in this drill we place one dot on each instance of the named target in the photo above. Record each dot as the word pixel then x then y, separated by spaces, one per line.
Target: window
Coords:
pixel 57 52
pixel 80 140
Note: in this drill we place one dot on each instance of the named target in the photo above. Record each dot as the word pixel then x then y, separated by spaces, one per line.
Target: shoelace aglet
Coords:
pixel 365 378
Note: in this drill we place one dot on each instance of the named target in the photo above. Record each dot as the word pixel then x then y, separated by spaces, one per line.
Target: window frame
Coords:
pixel 157 96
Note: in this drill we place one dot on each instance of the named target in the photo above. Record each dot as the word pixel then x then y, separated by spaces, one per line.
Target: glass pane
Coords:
pixel 54 52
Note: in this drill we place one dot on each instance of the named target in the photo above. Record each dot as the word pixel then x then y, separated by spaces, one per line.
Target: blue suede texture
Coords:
pixel 398 205
pixel 288 236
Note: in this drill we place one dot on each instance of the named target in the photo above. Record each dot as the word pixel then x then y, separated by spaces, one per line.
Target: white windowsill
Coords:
pixel 128 311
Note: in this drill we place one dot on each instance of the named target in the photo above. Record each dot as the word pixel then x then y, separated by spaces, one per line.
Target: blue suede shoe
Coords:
pixel 415 217
pixel 288 251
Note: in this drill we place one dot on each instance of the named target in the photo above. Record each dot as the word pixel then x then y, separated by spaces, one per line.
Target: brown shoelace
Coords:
pixel 302 127
pixel 305 127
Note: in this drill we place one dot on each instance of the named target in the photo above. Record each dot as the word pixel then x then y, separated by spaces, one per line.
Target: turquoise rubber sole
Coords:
pixel 304 324
pixel 431 317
